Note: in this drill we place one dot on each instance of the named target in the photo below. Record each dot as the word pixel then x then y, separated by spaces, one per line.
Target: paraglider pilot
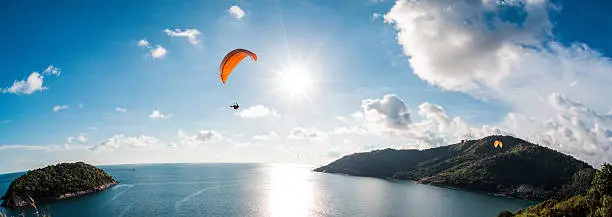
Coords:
pixel 235 106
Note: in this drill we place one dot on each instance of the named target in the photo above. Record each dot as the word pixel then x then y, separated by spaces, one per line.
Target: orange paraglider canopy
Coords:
pixel 497 143
pixel 231 60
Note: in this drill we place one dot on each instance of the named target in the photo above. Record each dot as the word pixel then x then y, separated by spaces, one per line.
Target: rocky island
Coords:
pixel 519 169
pixel 56 182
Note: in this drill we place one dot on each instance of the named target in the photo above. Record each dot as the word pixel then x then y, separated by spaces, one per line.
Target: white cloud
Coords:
pixel 5 122
pixel 60 107
pixel 202 137
pixel 33 83
pixel 258 111
pixel 144 43
pixel 310 134
pixel 236 12
pixel 190 34
pixel 119 109
pixel 52 70
pixel 121 141
pixel 157 114
pixel 576 129
pixel 80 138
pixel 390 111
pixel 93 128
pixel 158 52
pixel 266 136
pixel 467 47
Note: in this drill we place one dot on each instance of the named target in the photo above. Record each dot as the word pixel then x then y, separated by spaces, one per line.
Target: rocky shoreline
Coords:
pixel 79 193
pixel 17 201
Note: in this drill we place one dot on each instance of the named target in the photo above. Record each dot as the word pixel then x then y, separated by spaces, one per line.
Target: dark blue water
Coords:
pixel 266 190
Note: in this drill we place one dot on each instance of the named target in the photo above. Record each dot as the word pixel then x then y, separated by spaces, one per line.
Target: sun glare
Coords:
pixel 296 81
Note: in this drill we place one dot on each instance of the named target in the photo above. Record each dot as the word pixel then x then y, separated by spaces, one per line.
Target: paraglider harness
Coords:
pixel 235 106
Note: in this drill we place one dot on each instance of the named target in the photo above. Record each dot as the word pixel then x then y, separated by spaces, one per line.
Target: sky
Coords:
pixel 115 82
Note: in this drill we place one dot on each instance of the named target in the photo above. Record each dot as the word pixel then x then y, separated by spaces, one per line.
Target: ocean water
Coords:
pixel 275 190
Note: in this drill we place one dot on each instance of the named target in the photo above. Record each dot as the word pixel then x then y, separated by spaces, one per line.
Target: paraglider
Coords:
pixel 229 62
pixel 497 143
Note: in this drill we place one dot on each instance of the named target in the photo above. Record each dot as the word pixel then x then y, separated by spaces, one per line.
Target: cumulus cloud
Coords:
pixel 121 141
pixel 576 129
pixel 390 111
pixel 158 52
pixel 119 109
pixel 33 83
pixel 236 12
pixel 310 134
pixel 143 43
pixel 258 111
pixel 266 136
pixel 391 116
pixel 159 115
pixel 469 47
pixel 190 34
pixel 201 137
pixel 60 107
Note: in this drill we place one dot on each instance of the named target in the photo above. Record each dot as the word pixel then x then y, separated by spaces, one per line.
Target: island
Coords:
pixel 518 169
pixel 56 182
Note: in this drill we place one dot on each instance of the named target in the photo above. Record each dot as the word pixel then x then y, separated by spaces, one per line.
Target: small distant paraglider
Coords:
pixel 497 144
pixel 229 62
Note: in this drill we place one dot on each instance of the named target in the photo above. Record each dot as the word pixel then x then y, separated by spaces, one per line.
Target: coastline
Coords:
pixel 23 203
pixel 495 194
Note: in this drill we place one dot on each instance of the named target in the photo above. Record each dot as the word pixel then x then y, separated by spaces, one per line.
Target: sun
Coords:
pixel 295 80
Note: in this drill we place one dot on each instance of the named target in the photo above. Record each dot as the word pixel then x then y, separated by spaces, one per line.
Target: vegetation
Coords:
pixel 519 169
pixel 56 182
pixel 597 202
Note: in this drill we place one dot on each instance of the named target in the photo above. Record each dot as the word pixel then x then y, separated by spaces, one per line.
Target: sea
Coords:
pixel 270 190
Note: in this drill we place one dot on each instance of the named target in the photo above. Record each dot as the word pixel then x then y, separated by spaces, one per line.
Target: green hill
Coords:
pixel 597 202
pixel 519 169
pixel 56 182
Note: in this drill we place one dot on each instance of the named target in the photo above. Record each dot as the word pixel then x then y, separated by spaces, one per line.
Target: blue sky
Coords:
pixel 97 61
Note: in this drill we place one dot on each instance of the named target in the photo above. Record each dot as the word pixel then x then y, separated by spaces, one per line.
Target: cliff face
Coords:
pixel 56 182
pixel 519 169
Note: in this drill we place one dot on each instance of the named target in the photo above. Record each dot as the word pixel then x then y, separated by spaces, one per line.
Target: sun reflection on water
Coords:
pixel 290 191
